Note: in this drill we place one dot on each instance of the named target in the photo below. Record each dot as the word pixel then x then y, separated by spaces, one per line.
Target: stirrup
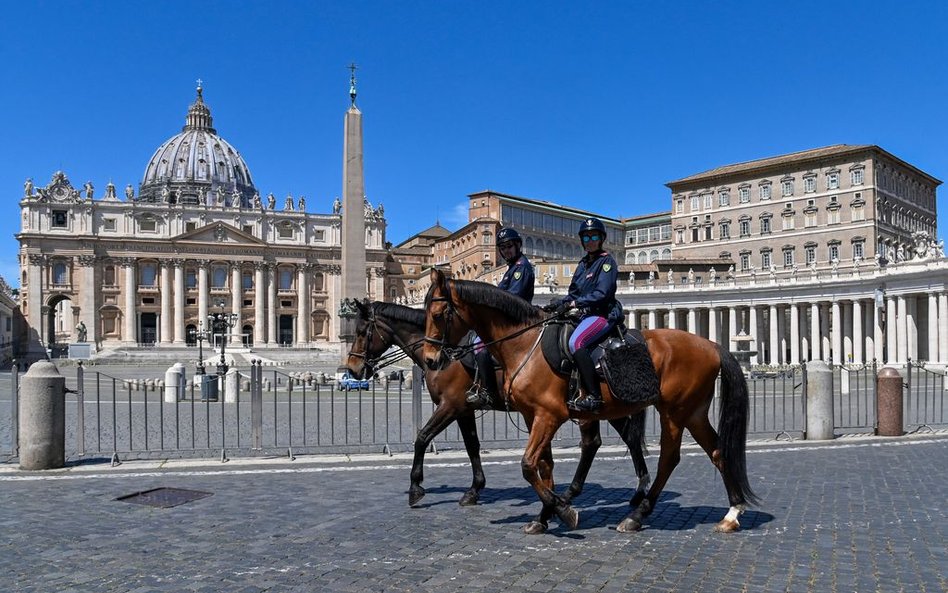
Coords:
pixel 479 397
pixel 586 404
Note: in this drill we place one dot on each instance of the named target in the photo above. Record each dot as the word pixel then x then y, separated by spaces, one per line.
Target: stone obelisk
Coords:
pixel 353 213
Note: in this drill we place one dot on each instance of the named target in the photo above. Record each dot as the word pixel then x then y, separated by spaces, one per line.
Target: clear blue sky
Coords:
pixel 592 105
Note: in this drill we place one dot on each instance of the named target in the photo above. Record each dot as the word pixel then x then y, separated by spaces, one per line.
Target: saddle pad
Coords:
pixel 628 369
pixel 553 343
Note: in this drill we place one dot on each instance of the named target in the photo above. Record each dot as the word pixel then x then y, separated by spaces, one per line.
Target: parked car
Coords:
pixel 347 383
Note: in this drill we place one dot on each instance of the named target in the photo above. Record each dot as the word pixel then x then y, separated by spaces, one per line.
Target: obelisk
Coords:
pixel 353 213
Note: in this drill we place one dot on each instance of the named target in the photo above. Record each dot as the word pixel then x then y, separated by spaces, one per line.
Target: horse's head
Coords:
pixel 444 326
pixel 372 339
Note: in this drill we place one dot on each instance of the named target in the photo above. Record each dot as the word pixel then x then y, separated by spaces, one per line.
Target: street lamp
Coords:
pixel 199 335
pixel 219 323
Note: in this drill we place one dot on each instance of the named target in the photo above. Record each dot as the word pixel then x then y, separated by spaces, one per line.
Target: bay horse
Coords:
pixel 687 367
pixel 380 326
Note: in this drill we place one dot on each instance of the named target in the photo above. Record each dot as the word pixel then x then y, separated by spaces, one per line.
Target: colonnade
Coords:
pixel 892 328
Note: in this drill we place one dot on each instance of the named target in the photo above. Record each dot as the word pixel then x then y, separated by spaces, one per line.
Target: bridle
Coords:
pixel 378 327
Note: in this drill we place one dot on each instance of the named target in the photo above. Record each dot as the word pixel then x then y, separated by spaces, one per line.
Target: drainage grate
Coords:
pixel 164 498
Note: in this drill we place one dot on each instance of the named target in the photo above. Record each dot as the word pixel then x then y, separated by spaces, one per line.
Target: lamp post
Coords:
pixel 199 335
pixel 219 323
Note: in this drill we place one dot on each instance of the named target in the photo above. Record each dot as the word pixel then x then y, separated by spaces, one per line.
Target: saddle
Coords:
pixel 621 358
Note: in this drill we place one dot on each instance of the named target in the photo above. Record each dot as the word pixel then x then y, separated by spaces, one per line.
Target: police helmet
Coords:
pixel 508 234
pixel 592 225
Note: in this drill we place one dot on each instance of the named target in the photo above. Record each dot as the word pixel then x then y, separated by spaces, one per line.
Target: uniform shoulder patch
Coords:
pixel 606 267
pixel 517 275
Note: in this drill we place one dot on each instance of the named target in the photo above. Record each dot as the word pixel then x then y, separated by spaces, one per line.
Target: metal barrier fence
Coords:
pixel 285 414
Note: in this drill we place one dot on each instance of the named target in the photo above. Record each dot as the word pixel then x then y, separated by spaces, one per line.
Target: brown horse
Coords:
pixel 687 367
pixel 380 326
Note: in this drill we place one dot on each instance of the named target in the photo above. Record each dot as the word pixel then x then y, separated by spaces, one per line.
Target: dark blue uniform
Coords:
pixel 519 278
pixel 593 286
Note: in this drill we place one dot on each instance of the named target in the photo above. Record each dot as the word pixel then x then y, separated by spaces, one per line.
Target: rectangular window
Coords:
pixel 787 188
pixel 744 195
pixel 810 219
pixel 810 254
pixel 695 203
pixel 857 177
pixel 858 214
pixel 654 233
pixel 248 229
pixel 765 192
pixel 788 223
pixel 190 226
pixel 59 219
pixel 679 206
pixel 788 258
pixel 707 233
pixel 724 199
pixel 745 262
pixel 567 271
pixel 147 225
pixel 764 226
pixel 190 278
pixel 108 224
pixel 809 185
pixel 834 252
pixel 641 236
pixel 708 202
pixel 765 260
pixel 832 217
pixel 858 250
pixel 745 228
pixel 285 231
pixel 832 181
pixel 725 230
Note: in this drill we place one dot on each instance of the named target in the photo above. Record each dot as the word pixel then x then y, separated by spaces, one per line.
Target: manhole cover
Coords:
pixel 164 498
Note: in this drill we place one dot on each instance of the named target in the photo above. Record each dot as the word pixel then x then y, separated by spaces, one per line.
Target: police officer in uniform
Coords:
pixel 593 291
pixel 518 279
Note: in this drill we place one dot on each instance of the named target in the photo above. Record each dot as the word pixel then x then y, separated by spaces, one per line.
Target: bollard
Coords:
pixel 819 401
pixel 42 426
pixel 182 380
pixel 231 383
pixel 172 376
pixel 889 403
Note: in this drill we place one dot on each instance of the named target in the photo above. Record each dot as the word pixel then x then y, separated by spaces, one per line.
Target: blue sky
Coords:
pixel 592 105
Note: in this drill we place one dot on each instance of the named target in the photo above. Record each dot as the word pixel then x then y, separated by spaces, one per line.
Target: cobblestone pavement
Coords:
pixel 855 515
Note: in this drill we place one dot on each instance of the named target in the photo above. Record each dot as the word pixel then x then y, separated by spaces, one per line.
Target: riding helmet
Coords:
pixel 508 234
pixel 592 225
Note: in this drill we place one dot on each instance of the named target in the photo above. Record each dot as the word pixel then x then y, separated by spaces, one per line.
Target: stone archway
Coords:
pixel 60 322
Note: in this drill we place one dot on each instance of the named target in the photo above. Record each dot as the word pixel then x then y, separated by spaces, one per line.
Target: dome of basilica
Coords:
pixel 197 166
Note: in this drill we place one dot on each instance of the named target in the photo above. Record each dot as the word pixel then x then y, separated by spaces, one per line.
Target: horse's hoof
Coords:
pixel 637 499
pixel 469 499
pixel 727 526
pixel 568 515
pixel 629 525
pixel 534 528
pixel 415 493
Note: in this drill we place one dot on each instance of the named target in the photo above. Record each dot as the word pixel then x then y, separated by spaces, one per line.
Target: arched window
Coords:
pixel 653 255
pixel 219 277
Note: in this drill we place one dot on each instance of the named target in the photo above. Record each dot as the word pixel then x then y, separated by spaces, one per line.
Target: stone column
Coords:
pixel 129 333
pixel 632 319
pixel 794 333
pixel 672 319
pixel 826 333
pixel 713 324
pixel 236 299
pixel 911 325
pixel 846 313
pixel 165 294
pixel 732 327
pixel 836 331
pixel 858 338
pixel 891 330
pixel 303 317
pixel 815 338
pixel 202 291
pixel 259 327
pixel 35 316
pixel 878 341
pixel 180 336
pixel 943 328
pixel 901 330
pixel 774 354
pixel 752 321
pixel 271 304
pixel 88 312
pixel 692 321
pixel 651 319
pixel 933 354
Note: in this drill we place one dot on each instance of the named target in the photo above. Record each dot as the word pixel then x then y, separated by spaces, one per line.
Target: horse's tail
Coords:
pixel 732 424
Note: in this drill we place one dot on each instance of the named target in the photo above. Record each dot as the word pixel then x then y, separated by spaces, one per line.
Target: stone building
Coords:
pixel 197 237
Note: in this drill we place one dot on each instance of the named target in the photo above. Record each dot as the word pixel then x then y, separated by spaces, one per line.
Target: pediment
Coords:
pixel 219 232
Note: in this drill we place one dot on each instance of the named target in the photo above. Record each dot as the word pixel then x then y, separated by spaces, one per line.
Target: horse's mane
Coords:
pixel 395 312
pixel 482 293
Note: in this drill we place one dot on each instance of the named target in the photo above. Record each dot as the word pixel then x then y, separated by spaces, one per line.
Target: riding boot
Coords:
pixel 590 381
pixel 481 395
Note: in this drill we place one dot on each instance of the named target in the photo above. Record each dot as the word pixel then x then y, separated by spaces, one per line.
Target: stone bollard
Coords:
pixel 182 380
pixel 172 376
pixel 231 383
pixel 889 403
pixel 819 401
pixel 42 425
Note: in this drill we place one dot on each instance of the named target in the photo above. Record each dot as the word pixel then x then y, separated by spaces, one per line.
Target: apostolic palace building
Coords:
pixel 825 254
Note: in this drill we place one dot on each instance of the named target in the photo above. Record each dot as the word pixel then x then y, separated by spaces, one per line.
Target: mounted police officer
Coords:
pixel 518 279
pixel 592 291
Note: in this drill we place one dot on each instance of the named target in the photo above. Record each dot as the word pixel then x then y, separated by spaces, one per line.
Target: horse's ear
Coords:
pixel 436 277
pixel 361 305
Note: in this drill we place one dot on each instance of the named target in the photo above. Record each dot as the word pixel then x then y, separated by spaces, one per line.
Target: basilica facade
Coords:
pixel 147 267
